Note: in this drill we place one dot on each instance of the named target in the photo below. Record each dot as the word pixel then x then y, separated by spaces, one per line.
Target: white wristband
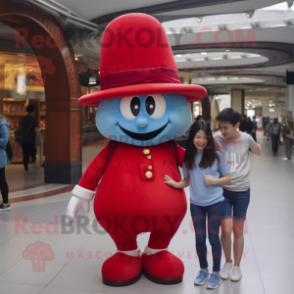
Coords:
pixel 150 251
pixel 83 193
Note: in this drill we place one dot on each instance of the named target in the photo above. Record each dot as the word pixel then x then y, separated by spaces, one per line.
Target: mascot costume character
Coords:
pixel 142 106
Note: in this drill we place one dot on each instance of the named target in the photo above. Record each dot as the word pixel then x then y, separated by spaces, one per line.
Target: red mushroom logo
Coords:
pixel 39 253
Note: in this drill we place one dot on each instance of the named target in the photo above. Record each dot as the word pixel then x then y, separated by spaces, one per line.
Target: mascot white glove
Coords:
pixel 80 200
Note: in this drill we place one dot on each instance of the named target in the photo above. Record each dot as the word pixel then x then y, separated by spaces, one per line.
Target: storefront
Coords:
pixel 21 84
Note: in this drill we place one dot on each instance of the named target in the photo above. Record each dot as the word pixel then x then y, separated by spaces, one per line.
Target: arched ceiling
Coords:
pixel 101 11
pixel 265 63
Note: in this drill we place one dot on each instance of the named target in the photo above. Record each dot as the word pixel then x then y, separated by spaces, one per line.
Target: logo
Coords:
pixel 39 253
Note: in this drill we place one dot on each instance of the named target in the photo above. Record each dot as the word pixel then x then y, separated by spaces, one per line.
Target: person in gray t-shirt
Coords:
pixel 236 146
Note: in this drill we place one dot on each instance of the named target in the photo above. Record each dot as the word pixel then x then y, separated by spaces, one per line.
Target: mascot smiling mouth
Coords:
pixel 144 136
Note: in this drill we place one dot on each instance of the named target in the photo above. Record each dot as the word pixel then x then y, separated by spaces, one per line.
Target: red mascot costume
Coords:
pixel 132 197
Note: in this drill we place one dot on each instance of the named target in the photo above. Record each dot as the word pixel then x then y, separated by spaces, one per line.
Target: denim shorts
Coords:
pixel 239 201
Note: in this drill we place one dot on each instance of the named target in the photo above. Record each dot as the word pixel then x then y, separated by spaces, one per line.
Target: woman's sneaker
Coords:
pixel 201 277
pixel 225 272
pixel 214 281
pixel 5 207
pixel 235 275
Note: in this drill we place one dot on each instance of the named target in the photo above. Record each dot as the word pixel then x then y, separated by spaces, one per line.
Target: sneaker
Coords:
pixel 214 281
pixel 35 166
pixel 235 275
pixel 201 277
pixel 28 172
pixel 225 272
pixel 5 207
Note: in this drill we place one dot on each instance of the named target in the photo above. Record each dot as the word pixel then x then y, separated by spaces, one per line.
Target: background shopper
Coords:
pixel 29 125
pixel 254 130
pixel 243 124
pixel 274 131
pixel 249 126
pixel 4 160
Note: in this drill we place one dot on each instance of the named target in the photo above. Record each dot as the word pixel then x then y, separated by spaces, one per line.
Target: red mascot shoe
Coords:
pixel 122 269
pixel 163 267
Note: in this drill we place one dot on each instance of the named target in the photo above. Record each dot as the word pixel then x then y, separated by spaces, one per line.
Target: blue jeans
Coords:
pixel 275 143
pixel 239 201
pixel 215 215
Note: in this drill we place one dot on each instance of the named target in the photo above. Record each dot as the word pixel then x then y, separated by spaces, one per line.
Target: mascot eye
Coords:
pixel 155 105
pixel 129 107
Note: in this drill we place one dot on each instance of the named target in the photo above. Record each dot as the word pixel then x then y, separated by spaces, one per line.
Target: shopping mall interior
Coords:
pixel 240 51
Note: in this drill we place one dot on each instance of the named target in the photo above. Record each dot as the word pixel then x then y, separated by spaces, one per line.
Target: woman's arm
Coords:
pixel 182 184
pixel 225 180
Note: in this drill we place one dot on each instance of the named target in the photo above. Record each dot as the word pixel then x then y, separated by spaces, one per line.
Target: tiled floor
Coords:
pixel 78 256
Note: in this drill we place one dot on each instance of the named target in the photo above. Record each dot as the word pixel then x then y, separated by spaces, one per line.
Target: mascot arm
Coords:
pixel 94 171
pixel 84 192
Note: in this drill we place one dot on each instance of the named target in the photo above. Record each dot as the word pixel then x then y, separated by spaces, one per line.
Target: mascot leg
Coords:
pixel 125 266
pixel 159 265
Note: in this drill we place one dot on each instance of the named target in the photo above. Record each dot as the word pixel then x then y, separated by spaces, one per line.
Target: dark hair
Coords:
pixel 198 117
pixel 209 154
pixel 208 117
pixel 30 108
pixel 229 115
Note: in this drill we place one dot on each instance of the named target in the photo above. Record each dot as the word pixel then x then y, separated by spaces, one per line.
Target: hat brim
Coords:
pixel 192 92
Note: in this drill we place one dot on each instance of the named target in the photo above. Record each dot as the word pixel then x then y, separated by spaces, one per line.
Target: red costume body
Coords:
pixel 128 203
pixel 132 197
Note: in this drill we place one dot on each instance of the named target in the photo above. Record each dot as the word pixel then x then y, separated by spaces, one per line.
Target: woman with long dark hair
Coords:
pixel 205 171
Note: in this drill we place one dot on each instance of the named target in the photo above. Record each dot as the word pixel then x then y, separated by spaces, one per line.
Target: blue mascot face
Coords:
pixel 144 120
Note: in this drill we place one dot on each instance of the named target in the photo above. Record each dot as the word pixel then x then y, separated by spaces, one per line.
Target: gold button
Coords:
pixel 150 167
pixel 149 156
pixel 146 151
pixel 149 174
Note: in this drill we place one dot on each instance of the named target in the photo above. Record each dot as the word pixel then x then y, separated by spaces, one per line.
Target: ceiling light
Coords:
pixel 76 58
pixel 203 53
pixel 178 55
pixel 199 20
pixel 253 106
pixel 227 50
pixel 270 100
pixel 250 13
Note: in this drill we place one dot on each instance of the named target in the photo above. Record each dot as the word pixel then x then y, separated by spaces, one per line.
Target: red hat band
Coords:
pixel 140 76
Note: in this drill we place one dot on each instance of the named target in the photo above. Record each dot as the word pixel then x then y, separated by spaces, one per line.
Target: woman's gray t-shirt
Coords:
pixel 237 155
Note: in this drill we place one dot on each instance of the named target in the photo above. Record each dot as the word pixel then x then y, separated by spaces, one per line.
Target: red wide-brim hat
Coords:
pixel 136 59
